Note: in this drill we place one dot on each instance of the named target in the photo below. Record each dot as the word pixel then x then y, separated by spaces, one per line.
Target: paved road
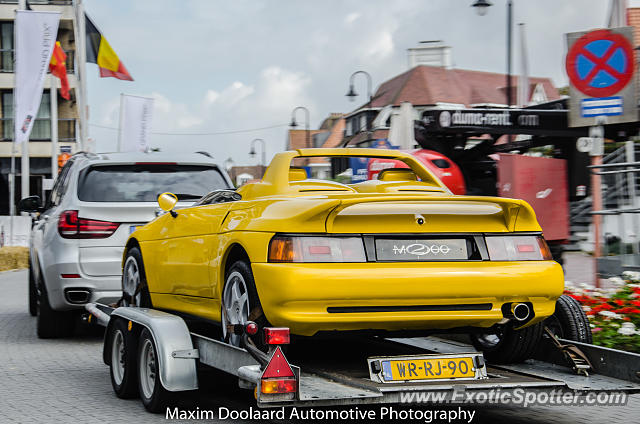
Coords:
pixel 66 380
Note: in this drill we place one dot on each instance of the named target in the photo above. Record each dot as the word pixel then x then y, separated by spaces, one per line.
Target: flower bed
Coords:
pixel 614 312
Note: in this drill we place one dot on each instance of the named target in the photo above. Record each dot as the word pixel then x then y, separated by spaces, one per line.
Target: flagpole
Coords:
pixel 120 123
pixel 81 60
pixel 24 159
pixel 54 125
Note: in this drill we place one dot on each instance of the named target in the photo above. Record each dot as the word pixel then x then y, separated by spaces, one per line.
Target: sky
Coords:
pixel 240 66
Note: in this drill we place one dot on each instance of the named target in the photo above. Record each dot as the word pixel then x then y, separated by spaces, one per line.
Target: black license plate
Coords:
pixel 421 250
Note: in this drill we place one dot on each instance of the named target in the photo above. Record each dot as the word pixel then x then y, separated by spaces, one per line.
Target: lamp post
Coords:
pixel 252 152
pixel 294 124
pixel 482 7
pixel 352 93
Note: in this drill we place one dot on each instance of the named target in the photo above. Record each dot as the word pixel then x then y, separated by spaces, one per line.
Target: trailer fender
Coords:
pixel 176 355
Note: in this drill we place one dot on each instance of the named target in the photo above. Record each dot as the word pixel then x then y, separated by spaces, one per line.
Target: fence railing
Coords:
pixel 7 59
pixel 41 129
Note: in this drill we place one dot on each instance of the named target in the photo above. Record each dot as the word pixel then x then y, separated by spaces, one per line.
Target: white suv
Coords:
pixel 77 242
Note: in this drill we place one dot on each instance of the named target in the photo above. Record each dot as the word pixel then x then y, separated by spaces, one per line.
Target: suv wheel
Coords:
pixel 52 324
pixel 33 295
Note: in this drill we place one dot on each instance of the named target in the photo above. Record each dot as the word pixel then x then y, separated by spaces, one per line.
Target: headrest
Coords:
pixel 397 174
pixel 297 174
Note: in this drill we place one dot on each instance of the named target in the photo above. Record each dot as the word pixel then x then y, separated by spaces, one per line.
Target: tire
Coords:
pixel 123 361
pixel 154 396
pixel 557 250
pixel 33 295
pixel 509 346
pixel 241 276
pixel 135 291
pixel 569 321
pixel 52 324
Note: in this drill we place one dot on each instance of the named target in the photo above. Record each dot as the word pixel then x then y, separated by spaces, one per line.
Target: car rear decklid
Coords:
pixel 437 214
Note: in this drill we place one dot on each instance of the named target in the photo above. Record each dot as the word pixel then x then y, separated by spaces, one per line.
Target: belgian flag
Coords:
pixel 101 53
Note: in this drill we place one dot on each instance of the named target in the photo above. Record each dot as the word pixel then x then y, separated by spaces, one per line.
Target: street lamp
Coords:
pixel 482 7
pixel 252 152
pixel 352 92
pixel 228 162
pixel 294 124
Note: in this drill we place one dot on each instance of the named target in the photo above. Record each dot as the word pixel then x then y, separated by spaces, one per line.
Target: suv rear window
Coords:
pixel 143 183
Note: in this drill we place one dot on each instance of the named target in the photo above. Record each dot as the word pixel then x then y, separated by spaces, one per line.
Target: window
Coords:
pixel 6 46
pixel 42 125
pixel 145 182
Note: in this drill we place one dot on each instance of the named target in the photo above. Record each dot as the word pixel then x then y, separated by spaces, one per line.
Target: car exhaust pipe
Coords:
pixel 520 311
pixel 77 296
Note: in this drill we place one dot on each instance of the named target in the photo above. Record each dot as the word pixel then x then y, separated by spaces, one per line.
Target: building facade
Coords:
pixel 40 150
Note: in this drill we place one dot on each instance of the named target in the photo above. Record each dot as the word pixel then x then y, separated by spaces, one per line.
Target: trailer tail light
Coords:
pixel 72 227
pixel 276 336
pixel 278 377
pixel 251 328
pixel 313 249
pixel 518 248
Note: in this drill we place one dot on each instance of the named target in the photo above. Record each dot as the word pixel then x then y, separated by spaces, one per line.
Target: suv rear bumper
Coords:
pixel 101 289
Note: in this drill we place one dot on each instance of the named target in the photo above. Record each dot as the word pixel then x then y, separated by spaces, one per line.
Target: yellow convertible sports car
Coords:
pixel 399 254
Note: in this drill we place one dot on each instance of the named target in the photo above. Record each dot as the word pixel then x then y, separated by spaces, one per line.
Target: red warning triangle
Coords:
pixel 278 366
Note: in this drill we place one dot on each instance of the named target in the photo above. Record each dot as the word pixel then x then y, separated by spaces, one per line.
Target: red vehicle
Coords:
pixel 443 167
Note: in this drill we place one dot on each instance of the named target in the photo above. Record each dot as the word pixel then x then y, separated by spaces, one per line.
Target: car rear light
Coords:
pixel 518 248
pixel 278 376
pixel 70 275
pixel 73 227
pixel 316 249
pixel 276 336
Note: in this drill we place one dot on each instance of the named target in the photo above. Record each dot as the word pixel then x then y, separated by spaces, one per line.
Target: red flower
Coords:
pixel 619 302
pixel 636 303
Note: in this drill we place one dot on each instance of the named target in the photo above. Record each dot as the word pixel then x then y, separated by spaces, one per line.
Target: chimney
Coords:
pixel 431 53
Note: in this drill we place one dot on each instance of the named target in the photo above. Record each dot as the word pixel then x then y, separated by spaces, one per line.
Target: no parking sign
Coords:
pixel 601 67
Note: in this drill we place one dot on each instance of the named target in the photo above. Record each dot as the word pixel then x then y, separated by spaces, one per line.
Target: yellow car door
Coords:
pixel 192 244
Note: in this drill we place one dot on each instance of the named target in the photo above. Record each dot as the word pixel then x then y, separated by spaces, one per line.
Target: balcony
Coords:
pixel 41 129
pixel 7 58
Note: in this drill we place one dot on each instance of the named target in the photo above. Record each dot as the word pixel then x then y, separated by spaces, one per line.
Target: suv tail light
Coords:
pixel 518 248
pixel 72 227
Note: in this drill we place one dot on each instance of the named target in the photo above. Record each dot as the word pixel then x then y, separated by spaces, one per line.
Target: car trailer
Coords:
pixel 154 354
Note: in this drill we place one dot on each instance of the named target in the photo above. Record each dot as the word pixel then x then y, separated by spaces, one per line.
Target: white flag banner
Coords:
pixel 35 38
pixel 135 123
pixel 523 81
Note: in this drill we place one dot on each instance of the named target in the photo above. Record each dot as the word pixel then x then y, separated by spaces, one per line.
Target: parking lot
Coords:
pixel 66 380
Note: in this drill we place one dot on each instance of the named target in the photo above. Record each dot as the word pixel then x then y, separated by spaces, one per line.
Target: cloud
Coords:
pixel 352 17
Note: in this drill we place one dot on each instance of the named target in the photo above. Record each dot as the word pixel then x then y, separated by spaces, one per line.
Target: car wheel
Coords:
pixel 33 295
pixel 569 321
pixel 51 324
pixel 123 361
pixel 508 346
pixel 239 300
pixel 154 396
pixel 134 281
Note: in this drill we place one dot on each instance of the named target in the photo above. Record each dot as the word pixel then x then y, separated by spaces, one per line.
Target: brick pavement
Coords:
pixel 44 381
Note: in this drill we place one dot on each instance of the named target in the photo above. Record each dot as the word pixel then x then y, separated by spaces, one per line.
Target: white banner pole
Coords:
pixel 54 125
pixel 119 148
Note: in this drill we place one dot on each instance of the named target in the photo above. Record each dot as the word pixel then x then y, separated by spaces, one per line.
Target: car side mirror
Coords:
pixel 167 201
pixel 30 204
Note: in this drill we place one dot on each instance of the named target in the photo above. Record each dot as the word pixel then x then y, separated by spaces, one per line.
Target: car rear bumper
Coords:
pixel 309 298
pixel 100 289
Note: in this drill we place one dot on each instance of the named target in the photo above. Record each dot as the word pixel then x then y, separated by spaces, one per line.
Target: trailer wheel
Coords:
pixel 135 291
pixel 33 294
pixel 239 299
pixel 508 346
pixel 569 321
pixel 153 395
pixel 123 361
